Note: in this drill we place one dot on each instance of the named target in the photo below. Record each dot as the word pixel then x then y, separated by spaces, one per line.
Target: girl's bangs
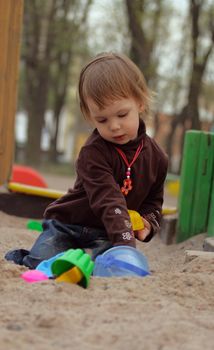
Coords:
pixel 105 88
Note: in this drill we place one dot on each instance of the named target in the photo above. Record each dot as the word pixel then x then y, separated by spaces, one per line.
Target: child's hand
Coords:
pixel 142 234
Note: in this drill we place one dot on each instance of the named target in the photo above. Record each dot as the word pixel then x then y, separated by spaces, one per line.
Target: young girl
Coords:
pixel 119 168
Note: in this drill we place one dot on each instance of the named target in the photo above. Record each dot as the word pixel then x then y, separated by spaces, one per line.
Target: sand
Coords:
pixel 171 309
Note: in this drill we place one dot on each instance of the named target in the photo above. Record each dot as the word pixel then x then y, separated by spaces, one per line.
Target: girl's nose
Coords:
pixel 114 126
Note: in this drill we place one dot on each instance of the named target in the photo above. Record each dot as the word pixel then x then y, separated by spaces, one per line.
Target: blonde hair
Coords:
pixel 111 76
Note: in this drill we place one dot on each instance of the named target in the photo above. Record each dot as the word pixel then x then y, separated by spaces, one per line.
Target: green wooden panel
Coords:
pixel 210 228
pixel 189 170
pixel 196 199
pixel 203 182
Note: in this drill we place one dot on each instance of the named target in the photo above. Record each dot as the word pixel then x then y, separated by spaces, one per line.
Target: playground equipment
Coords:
pixel 172 185
pixel 27 176
pixel 121 261
pixel 10 22
pixel 34 190
pixel 196 199
pixel 31 201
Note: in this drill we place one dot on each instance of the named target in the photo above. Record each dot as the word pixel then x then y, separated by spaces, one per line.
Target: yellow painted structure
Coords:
pixel 136 219
pixel 34 191
pixel 173 187
pixel 11 13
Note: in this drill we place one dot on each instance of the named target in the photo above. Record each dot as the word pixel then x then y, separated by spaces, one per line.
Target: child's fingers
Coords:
pixel 146 224
pixel 142 234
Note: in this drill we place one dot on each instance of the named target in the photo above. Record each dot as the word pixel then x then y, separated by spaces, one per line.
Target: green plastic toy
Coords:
pixel 34 225
pixel 74 266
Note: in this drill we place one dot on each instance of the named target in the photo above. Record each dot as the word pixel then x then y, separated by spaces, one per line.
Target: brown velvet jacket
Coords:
pixel 96 199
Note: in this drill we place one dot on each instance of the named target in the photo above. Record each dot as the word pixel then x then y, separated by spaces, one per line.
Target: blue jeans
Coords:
pixel 56 238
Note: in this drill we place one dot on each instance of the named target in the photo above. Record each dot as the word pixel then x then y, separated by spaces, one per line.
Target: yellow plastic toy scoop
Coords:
pixel 73 275
pixel 136 220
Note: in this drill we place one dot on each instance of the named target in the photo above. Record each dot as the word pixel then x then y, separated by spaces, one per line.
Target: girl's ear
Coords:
pixel 141 107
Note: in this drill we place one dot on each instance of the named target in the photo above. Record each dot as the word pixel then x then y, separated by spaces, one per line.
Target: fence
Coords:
pixel 196 197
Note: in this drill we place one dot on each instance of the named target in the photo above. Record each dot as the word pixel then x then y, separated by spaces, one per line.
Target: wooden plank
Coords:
pixel 188 183
pixel 192 254
pixel 203 184
pixel 208 244
pixel 10 23
pixel 210 228
pixel 196 183
pixel 168 229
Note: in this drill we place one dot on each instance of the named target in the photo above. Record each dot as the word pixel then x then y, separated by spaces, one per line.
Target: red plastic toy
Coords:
pixel 27 175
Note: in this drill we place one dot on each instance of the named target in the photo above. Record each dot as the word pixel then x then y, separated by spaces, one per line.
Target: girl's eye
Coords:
pixel 122 115
pixel 101 121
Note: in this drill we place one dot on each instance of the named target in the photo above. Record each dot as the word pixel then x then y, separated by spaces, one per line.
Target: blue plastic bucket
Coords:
pixel 45 265
pixel 121 261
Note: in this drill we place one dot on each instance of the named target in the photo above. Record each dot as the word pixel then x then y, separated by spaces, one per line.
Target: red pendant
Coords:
pixel 127 183
pixel 127 186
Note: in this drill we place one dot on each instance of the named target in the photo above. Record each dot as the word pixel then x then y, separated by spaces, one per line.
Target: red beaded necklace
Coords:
pixel 127 183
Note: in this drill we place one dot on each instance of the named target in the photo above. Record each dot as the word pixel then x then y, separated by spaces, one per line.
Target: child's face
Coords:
pixel 118 122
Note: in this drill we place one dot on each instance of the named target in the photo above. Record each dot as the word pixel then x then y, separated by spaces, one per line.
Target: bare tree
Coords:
pixel 65 54
pixel 199 12
pixel 50 31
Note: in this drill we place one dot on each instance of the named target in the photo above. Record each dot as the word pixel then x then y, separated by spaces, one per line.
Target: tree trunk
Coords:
pixel 53 153
pixel 36 99
pixel 143 41
pixel 60 94
pixel 139 51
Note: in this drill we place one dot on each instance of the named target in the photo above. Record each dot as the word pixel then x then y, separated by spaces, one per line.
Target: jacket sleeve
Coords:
pixel 152 206
pixel 104 195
